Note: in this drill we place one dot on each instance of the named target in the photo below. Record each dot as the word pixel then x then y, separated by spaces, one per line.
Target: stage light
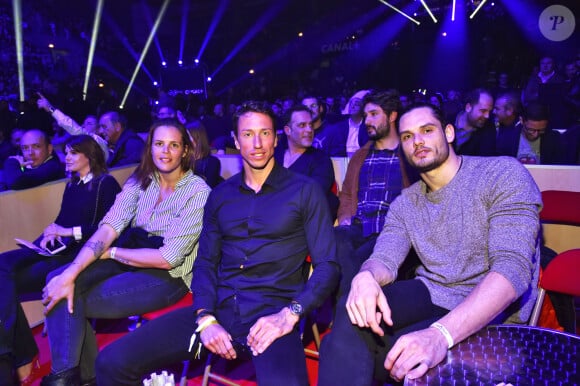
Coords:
pixel 156 102
pixel 92 46
pixel 209 78
pixel 180 62
pixel 155 83
pixel 50 45
pixel 251 71
pixel 164 64
pixel 196 61
pixel 477 9
pixel 145 49
pixel 300 34
pixel 17 11
pixel 453 11
pixel 101 85
pixel 400 12
pixel 184 14
pixel 429 11
pixel 444 34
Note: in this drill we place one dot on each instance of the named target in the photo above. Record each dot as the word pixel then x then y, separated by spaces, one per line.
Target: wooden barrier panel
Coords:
pixel 25 213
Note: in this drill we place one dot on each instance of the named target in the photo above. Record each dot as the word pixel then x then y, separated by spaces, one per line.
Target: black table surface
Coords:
pixel 510 354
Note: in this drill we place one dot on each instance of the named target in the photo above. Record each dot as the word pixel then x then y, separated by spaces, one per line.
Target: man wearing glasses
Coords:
pixel 536 143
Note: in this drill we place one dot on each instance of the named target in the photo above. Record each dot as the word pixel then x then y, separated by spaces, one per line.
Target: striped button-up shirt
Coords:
pixel 178 218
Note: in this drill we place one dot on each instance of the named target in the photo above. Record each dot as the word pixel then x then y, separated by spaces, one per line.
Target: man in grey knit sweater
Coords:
pixel 474 224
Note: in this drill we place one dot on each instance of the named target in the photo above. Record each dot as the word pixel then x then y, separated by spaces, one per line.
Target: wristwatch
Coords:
pixel 296 308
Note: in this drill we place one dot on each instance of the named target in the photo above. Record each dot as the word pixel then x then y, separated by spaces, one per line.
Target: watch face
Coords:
pixel 296 308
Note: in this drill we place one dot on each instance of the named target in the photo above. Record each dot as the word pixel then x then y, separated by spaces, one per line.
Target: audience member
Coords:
pixel 87 197
pixel 535 142
pixel 548 88
pixel 301 157
pixel 249 288
pixel 326 137
pixel 125 147
pixel 206 165
pixel 37 164
pixel 157 219
pixel 376 174
pixel 477 240
pixel 89 126
pixel 354 126
pixel 218 129
pixel 546 75
pixel 507 112
pixel 474 133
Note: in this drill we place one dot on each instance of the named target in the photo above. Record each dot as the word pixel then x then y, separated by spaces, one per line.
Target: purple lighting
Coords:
pixel 184 13
pixel 214 22
pixel 266 18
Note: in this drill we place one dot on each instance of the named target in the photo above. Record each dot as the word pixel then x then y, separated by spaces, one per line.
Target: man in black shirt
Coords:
pixel 250 284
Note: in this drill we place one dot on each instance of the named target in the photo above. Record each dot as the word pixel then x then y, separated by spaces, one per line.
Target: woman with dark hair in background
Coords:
pixel 206 165
pixel 87 197
pixel 157 219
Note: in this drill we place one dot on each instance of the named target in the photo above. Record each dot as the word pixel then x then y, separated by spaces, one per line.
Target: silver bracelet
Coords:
pixel 113 252
pixel 443 330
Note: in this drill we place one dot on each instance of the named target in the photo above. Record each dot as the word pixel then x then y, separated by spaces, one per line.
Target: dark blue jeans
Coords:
pixel 22 271
pixel 165 341
pixel 106 289
pixel 351 251
pixel 354 356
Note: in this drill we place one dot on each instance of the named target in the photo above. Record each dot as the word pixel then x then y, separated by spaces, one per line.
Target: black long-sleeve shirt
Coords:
pixel 253 246
pixel 22 178
pixel 85 204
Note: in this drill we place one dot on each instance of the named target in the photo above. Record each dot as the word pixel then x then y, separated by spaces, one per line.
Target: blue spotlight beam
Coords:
pixel 267 17
pixel 214 22
pixel 17 12
pixel 428 11
pixel 150 24
pixel 184 14
pixel 145 50
pixel 94 35
pixel 123 39
pixel 477 9
pixel 345 25
pixel 400 12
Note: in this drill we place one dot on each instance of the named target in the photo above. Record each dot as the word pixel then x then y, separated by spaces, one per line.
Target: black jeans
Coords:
pixel 353 356
pixel 165 341
pixel 22 271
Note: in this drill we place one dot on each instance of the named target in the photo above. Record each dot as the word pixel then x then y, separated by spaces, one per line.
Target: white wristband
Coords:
pixel 77 233
pixel 443 330
pixel 113 252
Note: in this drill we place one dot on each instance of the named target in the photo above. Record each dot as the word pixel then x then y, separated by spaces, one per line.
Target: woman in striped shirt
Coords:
pixel 156 221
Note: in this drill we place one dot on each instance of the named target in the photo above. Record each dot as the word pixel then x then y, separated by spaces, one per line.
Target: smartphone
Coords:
pixel 55 247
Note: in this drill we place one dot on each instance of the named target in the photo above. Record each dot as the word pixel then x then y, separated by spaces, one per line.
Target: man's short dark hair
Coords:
pixel 252 107
pixel 388 100
pixel 536 111
pixel 512 101
pixel 117 117
pixel 473 96
pixel 295 109
pixel 437 113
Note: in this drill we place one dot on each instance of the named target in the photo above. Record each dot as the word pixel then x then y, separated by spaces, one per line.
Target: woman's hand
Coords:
pixel 49 240
pixel 58 288
pixel 56 230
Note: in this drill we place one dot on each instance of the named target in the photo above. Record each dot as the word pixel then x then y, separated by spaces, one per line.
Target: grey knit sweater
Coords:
pixel 485 220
